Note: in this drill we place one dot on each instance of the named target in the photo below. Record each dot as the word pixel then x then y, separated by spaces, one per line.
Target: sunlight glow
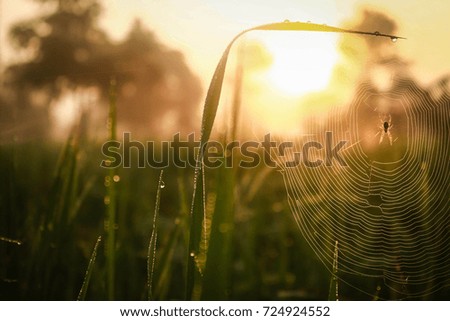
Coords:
pixel 301 63
pixel 295 85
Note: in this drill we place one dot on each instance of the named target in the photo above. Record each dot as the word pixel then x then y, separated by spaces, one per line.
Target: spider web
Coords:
pixel 386 213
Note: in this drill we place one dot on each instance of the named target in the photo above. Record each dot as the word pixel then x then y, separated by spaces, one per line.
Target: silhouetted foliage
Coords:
pixel 68 52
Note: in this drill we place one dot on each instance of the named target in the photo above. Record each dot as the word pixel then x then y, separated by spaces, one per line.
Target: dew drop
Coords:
pixel 377 33
pixel 107 181
pixel 192 254
pixel 162 185
pixel 394 39
pixel 116 178
pixel 106 200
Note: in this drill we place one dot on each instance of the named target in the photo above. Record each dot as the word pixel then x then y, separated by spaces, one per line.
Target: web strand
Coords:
pixel 388 208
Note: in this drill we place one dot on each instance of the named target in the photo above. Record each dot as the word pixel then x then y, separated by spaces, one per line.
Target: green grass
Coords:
pixel 87 278
pixel 214 234
pixel 56 260
pixel 151 253
pixel 253 250
pixel 225 197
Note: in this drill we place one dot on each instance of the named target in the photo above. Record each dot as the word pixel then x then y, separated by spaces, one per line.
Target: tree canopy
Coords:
pixel 66 50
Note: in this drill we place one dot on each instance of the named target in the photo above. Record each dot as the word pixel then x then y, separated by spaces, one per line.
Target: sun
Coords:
pixel 301 63
pixel 299 66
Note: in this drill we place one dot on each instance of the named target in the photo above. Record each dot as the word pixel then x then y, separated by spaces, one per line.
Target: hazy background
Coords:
pixel 62 61
pixel 198 31
pixel 201 28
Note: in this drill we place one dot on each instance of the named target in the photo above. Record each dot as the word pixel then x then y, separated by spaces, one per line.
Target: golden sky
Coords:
pixel 202 28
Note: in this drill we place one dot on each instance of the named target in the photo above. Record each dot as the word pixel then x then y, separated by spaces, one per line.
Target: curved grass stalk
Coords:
pixel 209 114
pixel 87 277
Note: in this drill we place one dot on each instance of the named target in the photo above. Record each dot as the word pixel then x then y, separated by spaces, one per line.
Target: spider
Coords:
pixel 385 126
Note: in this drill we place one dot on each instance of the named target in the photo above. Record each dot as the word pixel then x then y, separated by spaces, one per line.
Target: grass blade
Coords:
pixel 54 225
pixel 209 114
pixel 151 254
pixel 198 199
pixel 87 277
pixel 216 279
pixel 8 240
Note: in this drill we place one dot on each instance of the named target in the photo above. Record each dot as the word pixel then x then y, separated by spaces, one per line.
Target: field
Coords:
pixel 362 216
pixel 57 212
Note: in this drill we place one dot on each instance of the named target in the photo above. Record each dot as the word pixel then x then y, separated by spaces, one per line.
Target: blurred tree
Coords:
pixel 61 45
pixel 66 52
pixel 158 93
